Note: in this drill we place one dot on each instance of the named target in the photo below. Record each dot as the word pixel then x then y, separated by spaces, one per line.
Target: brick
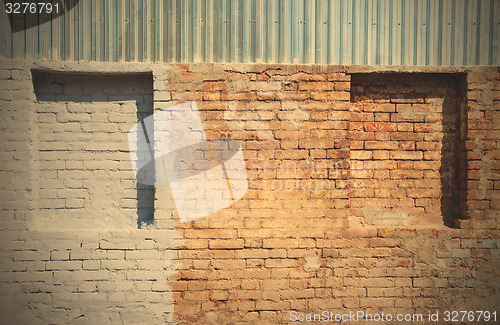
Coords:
pixel 77 254
pixel 63 265
pixel 280 243
pixel 226 243
pixel 246 96
pixel 117 244
pixel 91 265
pixel 302 76
pixel 387 145
pixel 342 86
pixel 162 95
pixel 319 143
pixel 212 86
pixel 26 255
pixel 381 155
pixel 5 74
pixel 430 282
pixel 407 136
pixel 265 86
pixel 338 76
pixel 265 95
pixel 263 305
pixel 362 117
pixel 211 96
pixel 291 95
pixel 325 96
pixel 295 115
pixel 360 232
pixel 407 155
pixel 361 155
pixel 118 265
pixel 59 255
pixel 383 127
pixel 201 233
pixel 143 254
pixel 316 86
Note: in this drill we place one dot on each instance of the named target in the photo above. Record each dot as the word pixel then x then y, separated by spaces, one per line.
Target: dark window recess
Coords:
pixel 74 87
pixel 434 106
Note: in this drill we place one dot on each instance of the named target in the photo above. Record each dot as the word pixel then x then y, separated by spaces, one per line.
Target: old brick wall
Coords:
pixel 367 191
pixel 351 187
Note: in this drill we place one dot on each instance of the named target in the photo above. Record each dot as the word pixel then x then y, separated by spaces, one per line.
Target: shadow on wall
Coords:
pixel 91 89
pixel 453 169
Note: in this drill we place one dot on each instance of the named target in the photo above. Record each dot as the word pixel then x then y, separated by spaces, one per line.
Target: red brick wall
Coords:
pixel 351 178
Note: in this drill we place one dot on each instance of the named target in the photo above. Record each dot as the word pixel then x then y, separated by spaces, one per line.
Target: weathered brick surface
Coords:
pixel 349 177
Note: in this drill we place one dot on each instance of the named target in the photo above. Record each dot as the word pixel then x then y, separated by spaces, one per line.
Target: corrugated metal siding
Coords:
pixel 393 32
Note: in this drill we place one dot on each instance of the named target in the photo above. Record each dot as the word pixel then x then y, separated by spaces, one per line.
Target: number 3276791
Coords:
pixel 31 7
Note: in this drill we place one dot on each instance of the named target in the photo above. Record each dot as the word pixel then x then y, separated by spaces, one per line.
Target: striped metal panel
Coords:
pixel 388 32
